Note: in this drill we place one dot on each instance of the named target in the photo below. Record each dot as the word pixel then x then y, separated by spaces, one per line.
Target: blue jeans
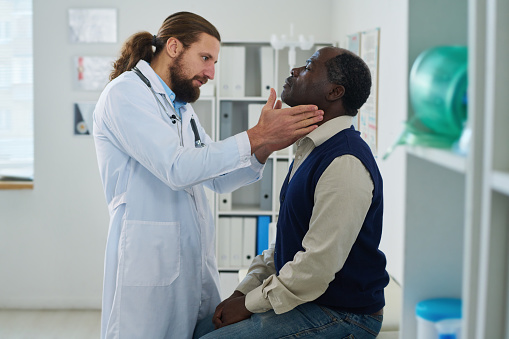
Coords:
pixel 306 320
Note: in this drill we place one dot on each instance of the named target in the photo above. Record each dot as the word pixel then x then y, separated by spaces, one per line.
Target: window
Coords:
pixel 16 90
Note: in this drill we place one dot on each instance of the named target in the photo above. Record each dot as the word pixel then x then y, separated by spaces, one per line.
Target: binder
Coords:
pixel 223 242
pixel 236 230
pixel 281 173
pixel 272 232
pixel 233 71
pixel 225 120
pixel 262 234
pixel 208 89
pixel 266 187
pixel 266 70
pixel 225 201
pixel 253 114
pixel 228 282
pixel 248 241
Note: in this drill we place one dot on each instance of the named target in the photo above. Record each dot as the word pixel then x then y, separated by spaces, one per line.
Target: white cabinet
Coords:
pixel 457 210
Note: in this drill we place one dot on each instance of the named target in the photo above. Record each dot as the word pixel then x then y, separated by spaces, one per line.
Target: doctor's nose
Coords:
pixel 210 72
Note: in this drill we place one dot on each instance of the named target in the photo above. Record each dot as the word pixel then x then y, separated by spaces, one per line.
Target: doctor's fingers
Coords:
pixel 300 109
pixel 305 119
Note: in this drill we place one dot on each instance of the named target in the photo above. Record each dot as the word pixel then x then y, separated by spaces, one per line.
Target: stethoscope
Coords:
pixel 174 117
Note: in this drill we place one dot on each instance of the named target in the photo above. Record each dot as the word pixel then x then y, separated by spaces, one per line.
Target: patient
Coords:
pixel 325 275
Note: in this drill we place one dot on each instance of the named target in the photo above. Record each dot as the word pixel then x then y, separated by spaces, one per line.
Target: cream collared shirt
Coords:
pixel 342 198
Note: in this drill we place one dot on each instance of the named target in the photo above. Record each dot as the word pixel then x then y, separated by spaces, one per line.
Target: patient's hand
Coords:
pixel 231 311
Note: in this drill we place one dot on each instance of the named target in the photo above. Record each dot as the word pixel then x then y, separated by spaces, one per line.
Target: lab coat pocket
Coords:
pixel 151 253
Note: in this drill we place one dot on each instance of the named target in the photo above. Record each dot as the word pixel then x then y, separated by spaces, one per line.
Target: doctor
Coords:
pixel 154 160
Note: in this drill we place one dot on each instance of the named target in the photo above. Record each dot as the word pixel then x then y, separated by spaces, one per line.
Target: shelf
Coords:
pixel 444 158
pixel 244 211
pixel 500 182
pixel 243 99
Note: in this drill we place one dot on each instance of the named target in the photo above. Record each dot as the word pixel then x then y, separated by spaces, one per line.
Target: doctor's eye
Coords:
pixel 205 58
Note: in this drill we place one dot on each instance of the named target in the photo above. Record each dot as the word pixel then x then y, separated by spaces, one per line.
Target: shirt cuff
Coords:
pixel 244 147
pixel 256 165
pixel 256 302
pixel 248 284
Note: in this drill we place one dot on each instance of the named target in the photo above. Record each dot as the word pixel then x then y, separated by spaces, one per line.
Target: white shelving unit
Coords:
pixel 246 200
pixel 457 211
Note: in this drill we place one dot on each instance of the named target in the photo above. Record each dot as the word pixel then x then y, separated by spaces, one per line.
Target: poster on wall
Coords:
pixel 83 117
pixel 353 43
pixel 93 25
pixel 368 114
pixel 91 73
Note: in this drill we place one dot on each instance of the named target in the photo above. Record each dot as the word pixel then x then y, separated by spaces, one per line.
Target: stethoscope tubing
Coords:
pixel 174 117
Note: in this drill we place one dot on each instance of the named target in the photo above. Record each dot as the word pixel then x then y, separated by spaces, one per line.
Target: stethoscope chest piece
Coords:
pixel 174 118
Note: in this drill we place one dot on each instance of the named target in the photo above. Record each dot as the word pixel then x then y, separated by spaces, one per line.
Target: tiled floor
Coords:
pixel 50 324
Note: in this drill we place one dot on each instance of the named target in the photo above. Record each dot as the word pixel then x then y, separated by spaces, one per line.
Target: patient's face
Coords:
pixel 308 84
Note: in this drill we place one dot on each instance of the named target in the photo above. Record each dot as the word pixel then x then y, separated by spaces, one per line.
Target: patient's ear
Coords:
pixel 336 92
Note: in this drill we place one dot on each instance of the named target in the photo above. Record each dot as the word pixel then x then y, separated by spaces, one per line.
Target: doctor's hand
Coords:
pixel 231 311
pixel 280 127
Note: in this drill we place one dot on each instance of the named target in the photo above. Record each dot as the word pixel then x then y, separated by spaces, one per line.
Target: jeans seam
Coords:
pixel 367 329
pixel 309 330
pixel 334 320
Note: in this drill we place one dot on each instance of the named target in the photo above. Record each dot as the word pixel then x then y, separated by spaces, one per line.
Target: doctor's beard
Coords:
pixel 183 88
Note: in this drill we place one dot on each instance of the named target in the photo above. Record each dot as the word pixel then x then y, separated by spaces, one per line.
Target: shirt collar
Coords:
pixel 152 75
pixel 328 129
pixel 171 95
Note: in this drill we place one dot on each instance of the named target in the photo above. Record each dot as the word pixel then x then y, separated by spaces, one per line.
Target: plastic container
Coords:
pixel 438 89
pixel 430 312
pixel 449 329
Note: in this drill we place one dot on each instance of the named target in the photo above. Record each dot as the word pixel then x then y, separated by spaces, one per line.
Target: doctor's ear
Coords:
pixel 336 92
pixel 173 47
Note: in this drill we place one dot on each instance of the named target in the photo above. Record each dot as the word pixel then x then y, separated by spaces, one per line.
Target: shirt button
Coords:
pixel 299 157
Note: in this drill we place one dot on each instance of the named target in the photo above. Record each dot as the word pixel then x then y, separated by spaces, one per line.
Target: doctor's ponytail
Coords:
pixel 136 48
pixel 184 26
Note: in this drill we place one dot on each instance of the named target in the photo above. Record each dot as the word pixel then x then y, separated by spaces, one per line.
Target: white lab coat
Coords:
pixel 160 268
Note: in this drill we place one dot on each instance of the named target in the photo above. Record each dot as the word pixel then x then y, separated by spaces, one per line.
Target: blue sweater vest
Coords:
pixel 359 286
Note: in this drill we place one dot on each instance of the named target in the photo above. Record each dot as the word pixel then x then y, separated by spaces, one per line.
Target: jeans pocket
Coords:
pixel 150 253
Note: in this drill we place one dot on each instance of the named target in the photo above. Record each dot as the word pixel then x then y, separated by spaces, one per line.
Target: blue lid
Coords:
pixel 439 309
pixel 447 336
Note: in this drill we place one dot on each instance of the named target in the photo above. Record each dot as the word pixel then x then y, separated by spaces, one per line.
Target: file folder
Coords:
pixel 266 187
pixel 236 231
pixel 228 282
pixel 225 120
pixel 266 70
pixel 272 232
pixel 223 242
pixel 253 114
pixel 262 234
pixel 225 201
pixel 248 241
pixel 233 71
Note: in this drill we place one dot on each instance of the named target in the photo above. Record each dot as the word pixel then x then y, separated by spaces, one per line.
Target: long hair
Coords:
pixel 184 26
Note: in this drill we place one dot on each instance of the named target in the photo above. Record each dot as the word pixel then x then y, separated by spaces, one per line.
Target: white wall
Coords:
pixel 52 238
pixel 352 16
